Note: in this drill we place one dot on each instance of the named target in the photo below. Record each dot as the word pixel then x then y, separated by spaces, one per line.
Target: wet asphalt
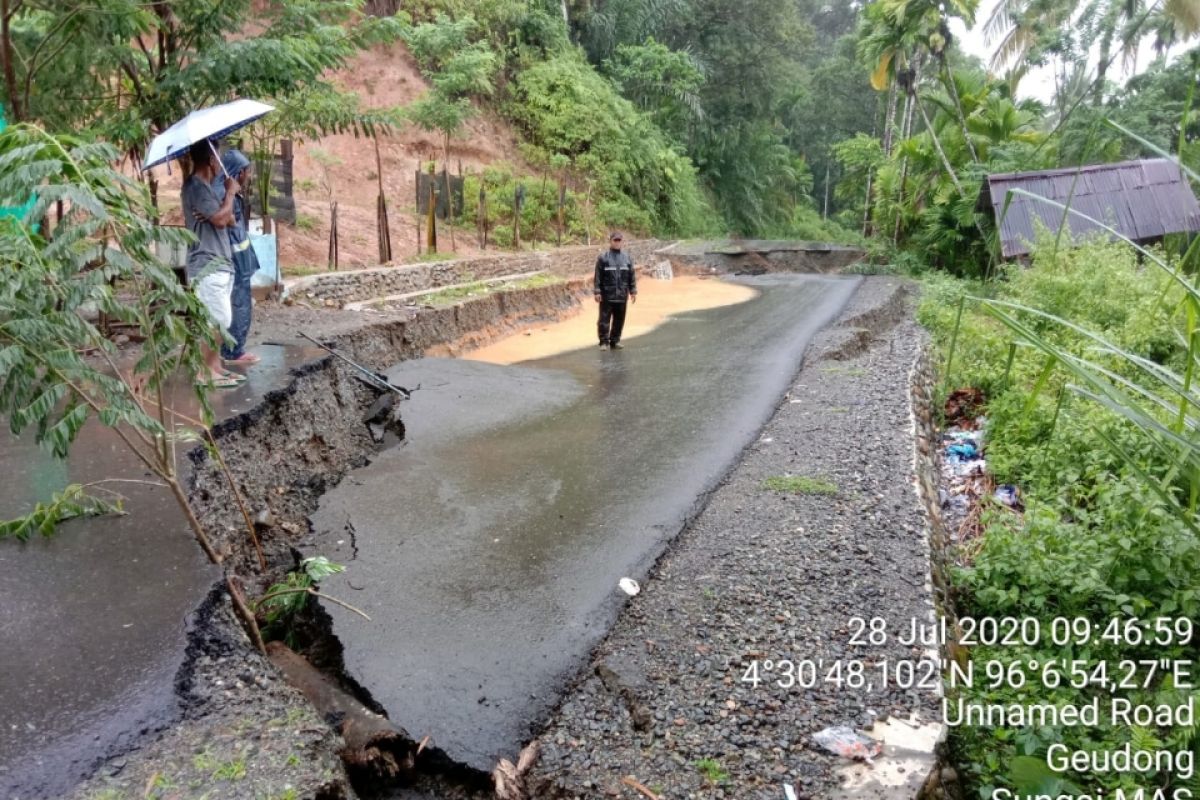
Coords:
pixel 487 549
pixel 93 621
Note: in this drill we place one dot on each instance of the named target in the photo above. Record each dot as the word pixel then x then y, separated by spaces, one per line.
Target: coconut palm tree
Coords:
pixel 1016 27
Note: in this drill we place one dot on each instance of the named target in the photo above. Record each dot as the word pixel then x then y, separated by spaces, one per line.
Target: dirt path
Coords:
pixel 657 300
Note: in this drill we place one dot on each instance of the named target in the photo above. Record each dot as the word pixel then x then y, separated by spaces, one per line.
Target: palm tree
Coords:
pixel 1016 27
pixel 898 35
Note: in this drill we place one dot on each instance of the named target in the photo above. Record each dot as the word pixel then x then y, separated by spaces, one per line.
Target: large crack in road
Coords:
pixel 490 545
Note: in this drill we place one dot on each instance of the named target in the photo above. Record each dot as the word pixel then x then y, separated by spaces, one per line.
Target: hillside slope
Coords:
pixel 382 78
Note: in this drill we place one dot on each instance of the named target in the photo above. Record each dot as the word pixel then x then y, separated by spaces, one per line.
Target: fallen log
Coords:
pixel 376 749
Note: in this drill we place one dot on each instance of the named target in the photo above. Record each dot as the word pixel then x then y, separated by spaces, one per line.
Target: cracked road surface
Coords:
pixel 489 545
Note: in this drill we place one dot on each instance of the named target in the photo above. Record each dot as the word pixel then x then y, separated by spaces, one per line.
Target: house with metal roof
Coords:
pixel 1144 200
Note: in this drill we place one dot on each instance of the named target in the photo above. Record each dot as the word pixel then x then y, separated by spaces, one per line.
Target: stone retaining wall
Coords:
pixel 337 289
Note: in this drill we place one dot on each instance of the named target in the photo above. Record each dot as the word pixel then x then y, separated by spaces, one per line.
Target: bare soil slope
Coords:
pixel 383 77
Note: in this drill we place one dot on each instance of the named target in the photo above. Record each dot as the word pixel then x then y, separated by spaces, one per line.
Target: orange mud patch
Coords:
pixel 657 300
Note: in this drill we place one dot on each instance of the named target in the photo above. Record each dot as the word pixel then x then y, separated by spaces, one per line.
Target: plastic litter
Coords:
pixel 847 743
pixel 789 792
pixel 1008 495
pixel 965 450
pixel 629 586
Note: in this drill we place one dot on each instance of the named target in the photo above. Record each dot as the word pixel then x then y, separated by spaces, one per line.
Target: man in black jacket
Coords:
pixel 614 284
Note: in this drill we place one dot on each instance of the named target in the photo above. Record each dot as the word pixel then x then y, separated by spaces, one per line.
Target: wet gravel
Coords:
pixel 763 574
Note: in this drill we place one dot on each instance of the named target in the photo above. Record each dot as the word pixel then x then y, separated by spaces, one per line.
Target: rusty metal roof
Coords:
pixel 1144 200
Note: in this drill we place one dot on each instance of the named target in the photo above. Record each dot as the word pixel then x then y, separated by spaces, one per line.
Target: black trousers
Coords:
pixel 612 322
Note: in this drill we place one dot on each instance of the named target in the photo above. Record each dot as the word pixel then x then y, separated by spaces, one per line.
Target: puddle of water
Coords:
pixel 657 300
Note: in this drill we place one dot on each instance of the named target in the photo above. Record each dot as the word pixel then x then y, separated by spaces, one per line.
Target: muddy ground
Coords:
pixel 740 580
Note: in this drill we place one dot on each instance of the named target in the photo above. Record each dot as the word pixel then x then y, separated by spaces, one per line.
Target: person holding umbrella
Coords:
pixel 206 214
pixel 210 260
pixel 245 263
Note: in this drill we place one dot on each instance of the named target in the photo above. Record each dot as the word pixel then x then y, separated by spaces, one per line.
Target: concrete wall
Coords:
pixel 336 289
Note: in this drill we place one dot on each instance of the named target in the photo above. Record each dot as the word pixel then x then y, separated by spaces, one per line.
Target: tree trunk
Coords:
pixel 1102 66
pixel 938 146
pixel 333 235
pixel 825 211
pixel 905 133
pixel 375 747
pixel 952 89
pixel 10 76
pixel 867 211
pixel 889 125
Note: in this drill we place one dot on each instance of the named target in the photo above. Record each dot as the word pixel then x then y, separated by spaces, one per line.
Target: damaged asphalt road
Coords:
pixel 487 549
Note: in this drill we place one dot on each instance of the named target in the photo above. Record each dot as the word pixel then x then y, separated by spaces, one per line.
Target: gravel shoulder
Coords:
pixel 763 574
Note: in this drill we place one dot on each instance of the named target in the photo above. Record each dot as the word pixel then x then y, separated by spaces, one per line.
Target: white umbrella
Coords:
pixel 207 123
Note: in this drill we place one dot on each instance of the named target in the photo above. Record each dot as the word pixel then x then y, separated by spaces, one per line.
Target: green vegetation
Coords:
pixel 283 601
pixel 800 484
pixel 1093 421
pixel 712 771
pixel 455 294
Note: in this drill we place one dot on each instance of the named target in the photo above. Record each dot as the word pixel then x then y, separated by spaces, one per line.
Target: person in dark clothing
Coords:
pixel 614 285
pixel 245 263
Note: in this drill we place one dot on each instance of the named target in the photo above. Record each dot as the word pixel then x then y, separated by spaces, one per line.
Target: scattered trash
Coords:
pixel 842 741
pixel 966 451
pixel 629 586
pixel 1009 496
pixel 964 475
pixel 789 792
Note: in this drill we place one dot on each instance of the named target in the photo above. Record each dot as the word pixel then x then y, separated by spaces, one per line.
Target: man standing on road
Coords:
pixel 613 286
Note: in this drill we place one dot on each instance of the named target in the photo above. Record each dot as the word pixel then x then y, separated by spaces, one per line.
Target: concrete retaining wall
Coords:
pixel 336 289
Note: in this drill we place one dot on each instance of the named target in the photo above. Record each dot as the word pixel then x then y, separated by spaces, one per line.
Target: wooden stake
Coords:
pixel 333 235
pixel 381 212
pixel 483 222
pixel 449 204
pixel 431 216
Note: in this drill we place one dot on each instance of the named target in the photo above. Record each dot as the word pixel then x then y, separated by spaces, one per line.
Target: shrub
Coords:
pixel 565 107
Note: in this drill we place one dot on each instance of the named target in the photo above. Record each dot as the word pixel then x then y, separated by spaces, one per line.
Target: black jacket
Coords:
pixel 615 278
